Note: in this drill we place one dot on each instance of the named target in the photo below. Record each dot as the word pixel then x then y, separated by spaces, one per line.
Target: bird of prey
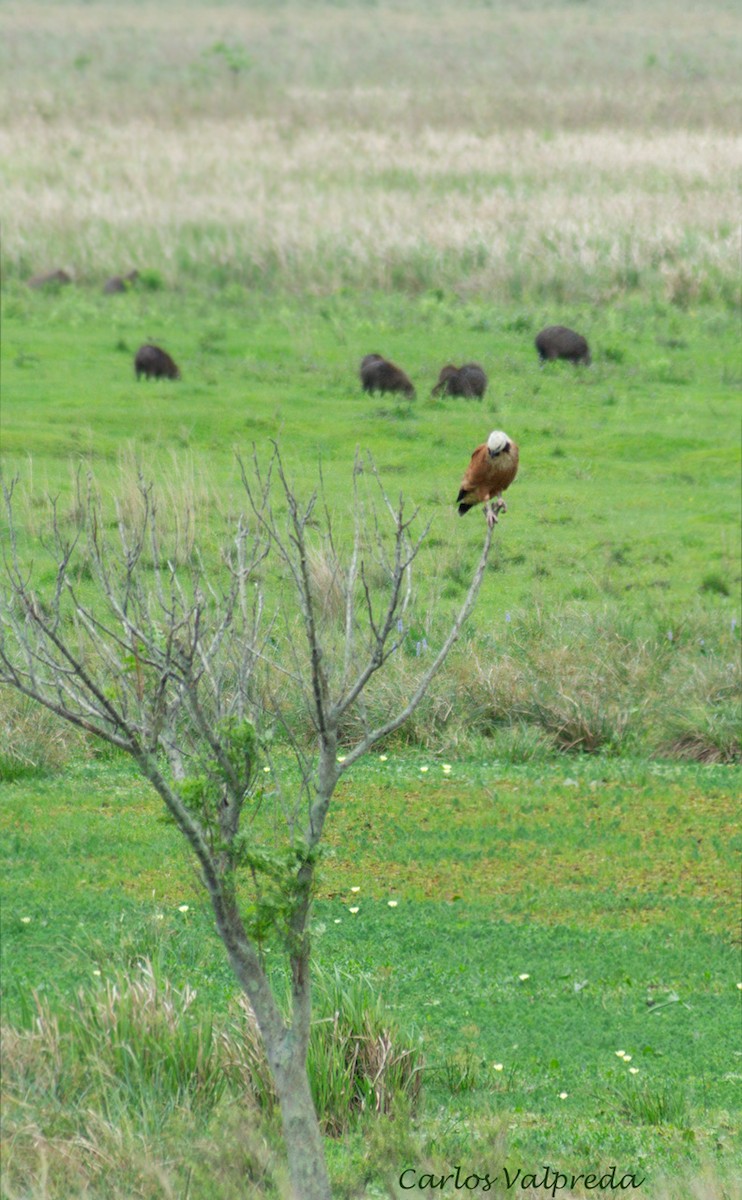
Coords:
pixel 492 469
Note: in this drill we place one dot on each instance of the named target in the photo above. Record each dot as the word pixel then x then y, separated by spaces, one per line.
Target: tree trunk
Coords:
pixel 304 1148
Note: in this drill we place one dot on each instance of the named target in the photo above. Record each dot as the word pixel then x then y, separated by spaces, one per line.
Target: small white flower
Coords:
pixel 620 1053
pixel 338 921
pixel 423 769
pixel 25 920
pixel 96 972
pixel 524 977
pixel 739 985
pixel 353 910
pixel 633 1070
pixel 392 903
pixel 627 1058
pixel 383 757
pixel 563 1095
pixel 355 889
pixel 497 1066
pixel 159 916
pixel 267 770
pixel 182 908
pixel 342 757
pixel 446 768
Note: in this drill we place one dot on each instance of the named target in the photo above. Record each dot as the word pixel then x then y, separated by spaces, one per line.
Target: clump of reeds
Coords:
pixel 134 1059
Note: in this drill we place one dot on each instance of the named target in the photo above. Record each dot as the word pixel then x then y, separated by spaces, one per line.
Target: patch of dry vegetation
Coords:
pixel 315 146
pixel 132 1091
pixel 542 64
pixel 334 206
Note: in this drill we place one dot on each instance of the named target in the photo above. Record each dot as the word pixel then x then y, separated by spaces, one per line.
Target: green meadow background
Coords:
pixel 299 185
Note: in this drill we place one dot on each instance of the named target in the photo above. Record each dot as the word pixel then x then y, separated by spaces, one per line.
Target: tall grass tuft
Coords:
pixel 68 1132
pixel 91 1092
pixel 359 1061
pixel 135 1039
pixel 327 585
pixel 706 726
pixel 33 741
pixel 567 680
pixel 572 679
pixel 651 1103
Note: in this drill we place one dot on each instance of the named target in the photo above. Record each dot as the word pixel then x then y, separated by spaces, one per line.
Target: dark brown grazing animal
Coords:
pixel 469 380
pixel 379 375
pixel 120 283
pixel 154 363
pixel 49 277
pixel 556 341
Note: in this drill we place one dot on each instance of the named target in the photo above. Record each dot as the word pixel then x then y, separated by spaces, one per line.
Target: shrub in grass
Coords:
pixel 65 1136
pixel 359 1060
pixel 151 280
pixel 710 1183
pixel 704 735
pixel 233 1158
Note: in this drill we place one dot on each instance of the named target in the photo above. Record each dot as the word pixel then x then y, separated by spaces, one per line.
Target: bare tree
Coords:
pixel 180 666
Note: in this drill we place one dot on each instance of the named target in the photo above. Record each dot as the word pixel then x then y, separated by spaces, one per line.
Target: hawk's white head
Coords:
pixel 497 443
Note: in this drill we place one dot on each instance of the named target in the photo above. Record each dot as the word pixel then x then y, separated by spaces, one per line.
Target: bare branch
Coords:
pixel 175 663
pixel 399 719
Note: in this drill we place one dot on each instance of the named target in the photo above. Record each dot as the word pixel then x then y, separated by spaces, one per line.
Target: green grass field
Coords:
pixel 568 888
pixel 629 469
pixel 544 921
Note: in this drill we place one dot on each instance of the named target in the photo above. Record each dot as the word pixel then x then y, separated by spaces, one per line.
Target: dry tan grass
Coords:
pixel 703 1185
pixel 331 144
pixel 339 201
pixel 459 64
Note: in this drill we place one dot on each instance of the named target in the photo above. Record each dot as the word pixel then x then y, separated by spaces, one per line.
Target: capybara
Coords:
pixel 154 363
pixel 49 277
pixel 120 283
pixel 556 341
pixel 379 375
pixel 469 380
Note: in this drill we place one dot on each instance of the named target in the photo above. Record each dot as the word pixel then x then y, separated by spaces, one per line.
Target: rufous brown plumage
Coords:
pixel 492 469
